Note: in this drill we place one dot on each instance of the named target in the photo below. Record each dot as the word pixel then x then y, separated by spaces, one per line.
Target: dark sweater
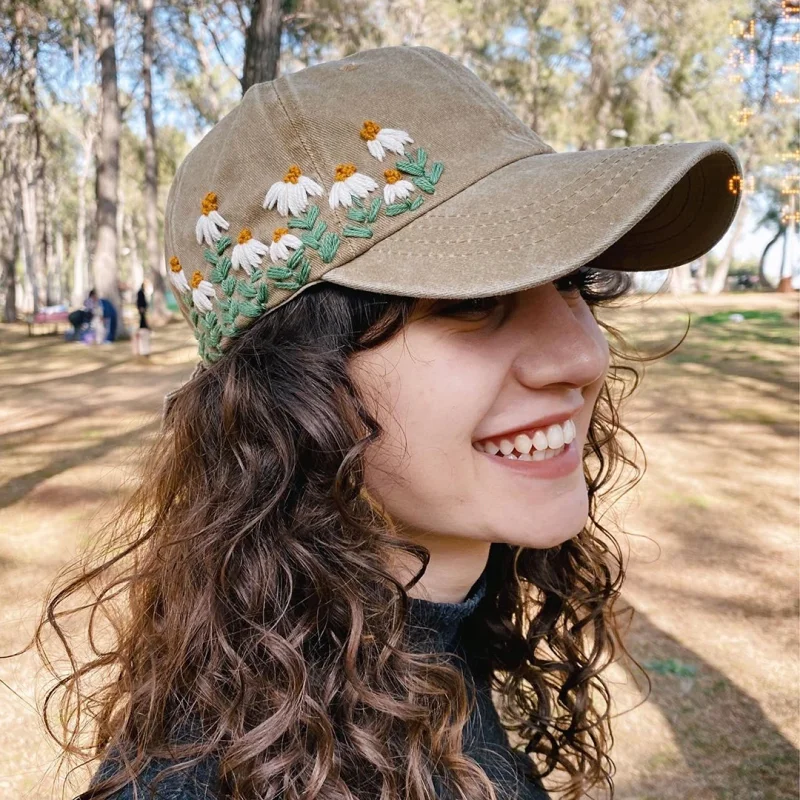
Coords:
pixel 433 627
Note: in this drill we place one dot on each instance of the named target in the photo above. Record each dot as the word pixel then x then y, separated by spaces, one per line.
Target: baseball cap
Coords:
pixel 397 170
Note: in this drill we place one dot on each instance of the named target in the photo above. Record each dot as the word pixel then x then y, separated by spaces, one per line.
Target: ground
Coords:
pixel 710 535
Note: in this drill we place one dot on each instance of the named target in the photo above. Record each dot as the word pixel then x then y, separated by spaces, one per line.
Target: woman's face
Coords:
pixel 446 382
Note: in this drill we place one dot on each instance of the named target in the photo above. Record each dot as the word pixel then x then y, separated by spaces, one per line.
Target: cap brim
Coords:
pixel 637 208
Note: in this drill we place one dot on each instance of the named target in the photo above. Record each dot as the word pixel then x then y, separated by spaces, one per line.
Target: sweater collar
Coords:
pixel 436 626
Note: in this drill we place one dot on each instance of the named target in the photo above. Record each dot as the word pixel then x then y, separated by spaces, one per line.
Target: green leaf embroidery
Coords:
pixel 246 290
pixel 357 231
pixel 328 247
pixel 307 221
pixel 424 184
pixel 228 285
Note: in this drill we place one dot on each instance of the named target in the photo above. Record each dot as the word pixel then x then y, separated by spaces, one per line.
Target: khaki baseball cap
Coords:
pixel 397 170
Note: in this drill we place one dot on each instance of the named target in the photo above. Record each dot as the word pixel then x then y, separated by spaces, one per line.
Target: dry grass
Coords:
pixel 711 532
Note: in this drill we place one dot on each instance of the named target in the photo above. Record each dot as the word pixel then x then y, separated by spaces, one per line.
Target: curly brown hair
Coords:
pixel 249 615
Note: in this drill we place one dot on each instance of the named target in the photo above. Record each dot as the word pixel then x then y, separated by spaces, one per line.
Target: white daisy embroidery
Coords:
pixel 348 182
pixel 397 188
pixel 201 291
pixel 247 253
pixel 291 194
pixel 177 276
pixel 281 241
pixel 378 138
pixel 210 221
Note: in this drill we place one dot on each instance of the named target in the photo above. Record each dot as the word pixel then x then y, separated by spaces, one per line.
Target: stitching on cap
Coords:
pixel 691 221
pixel 311 158
pixel 484 239
pixel 731 215
pixel 582 176
pixel 650 243
pixel 538 210
pixel 546 222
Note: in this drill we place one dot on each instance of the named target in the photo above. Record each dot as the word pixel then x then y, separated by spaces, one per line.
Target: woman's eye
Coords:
pixel 475 306
pixel 573 283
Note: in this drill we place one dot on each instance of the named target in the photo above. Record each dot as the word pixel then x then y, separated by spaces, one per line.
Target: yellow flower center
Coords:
pixel 278 232
pixel 245 235
pixel 174 264
pixel 392 175
pixel 209 203
pixel 196 278
pixel 293 174
pixel 370 130
pixel 344 171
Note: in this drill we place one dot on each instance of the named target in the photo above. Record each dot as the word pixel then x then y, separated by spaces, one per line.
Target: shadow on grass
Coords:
pixel 723 735
pixel 14 490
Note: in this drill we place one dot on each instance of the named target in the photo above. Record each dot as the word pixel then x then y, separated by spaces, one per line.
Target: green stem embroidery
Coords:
pixel 424 180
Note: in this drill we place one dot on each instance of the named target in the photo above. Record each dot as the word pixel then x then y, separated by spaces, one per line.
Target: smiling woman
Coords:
pixel 304 487
pixel 323 588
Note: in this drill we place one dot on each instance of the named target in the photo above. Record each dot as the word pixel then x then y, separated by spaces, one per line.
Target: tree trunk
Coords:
pixel 720 277
pixel 9 251
pixel 58 260
pixel 680 279
pixel 262 47
pixel 788 261
pixel 762 277
pixel 80 286
pixel 136 271
pixel 106 264
pixel 27 229
pixel 159 312
pixel 30 165
pixel 9 200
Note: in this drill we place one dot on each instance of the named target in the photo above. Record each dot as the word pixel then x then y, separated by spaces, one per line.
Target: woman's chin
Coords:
pixel 547 529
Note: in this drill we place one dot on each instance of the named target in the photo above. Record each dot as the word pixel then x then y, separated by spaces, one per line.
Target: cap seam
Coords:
pixel 495 252
pixel 538 211
pixel 731 215
pixel 621 151
pixel 306 146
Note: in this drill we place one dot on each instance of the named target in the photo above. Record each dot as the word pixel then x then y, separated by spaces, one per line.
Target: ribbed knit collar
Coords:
pixel 436 626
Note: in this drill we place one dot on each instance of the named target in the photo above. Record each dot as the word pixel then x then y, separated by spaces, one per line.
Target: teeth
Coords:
pixel 540 440
pixel 523 444
pixel 542 444
pixel 555 437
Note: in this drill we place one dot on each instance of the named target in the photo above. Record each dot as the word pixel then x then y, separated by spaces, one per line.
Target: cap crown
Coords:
pixel 310 170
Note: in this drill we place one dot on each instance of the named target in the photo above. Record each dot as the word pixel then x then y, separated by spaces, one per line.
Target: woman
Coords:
pixel 377 500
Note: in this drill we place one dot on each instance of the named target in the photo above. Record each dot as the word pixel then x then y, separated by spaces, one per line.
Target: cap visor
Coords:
pixel 633 208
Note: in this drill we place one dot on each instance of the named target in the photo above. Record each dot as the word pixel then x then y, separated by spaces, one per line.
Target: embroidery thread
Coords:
pixel 290 269
pixel 378 138
pixel 210 221
pixel 348 182
pixel 248 251
pixel 291 194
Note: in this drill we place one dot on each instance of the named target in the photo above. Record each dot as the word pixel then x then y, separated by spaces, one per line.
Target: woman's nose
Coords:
pixel 559 341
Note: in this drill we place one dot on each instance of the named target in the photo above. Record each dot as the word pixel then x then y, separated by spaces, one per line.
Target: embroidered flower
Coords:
pixel 281 241
pixel 201 291
pixel 377 138
pixel 348 182
pixel 247 253
pixel 208 222
pixel 396 187
pixel 177 276
pixel 291 194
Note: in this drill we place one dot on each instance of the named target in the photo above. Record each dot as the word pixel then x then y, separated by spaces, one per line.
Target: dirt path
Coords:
pixel 711 536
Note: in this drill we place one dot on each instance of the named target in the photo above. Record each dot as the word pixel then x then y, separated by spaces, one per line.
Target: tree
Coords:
pixel 107 170
pixel 153 253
